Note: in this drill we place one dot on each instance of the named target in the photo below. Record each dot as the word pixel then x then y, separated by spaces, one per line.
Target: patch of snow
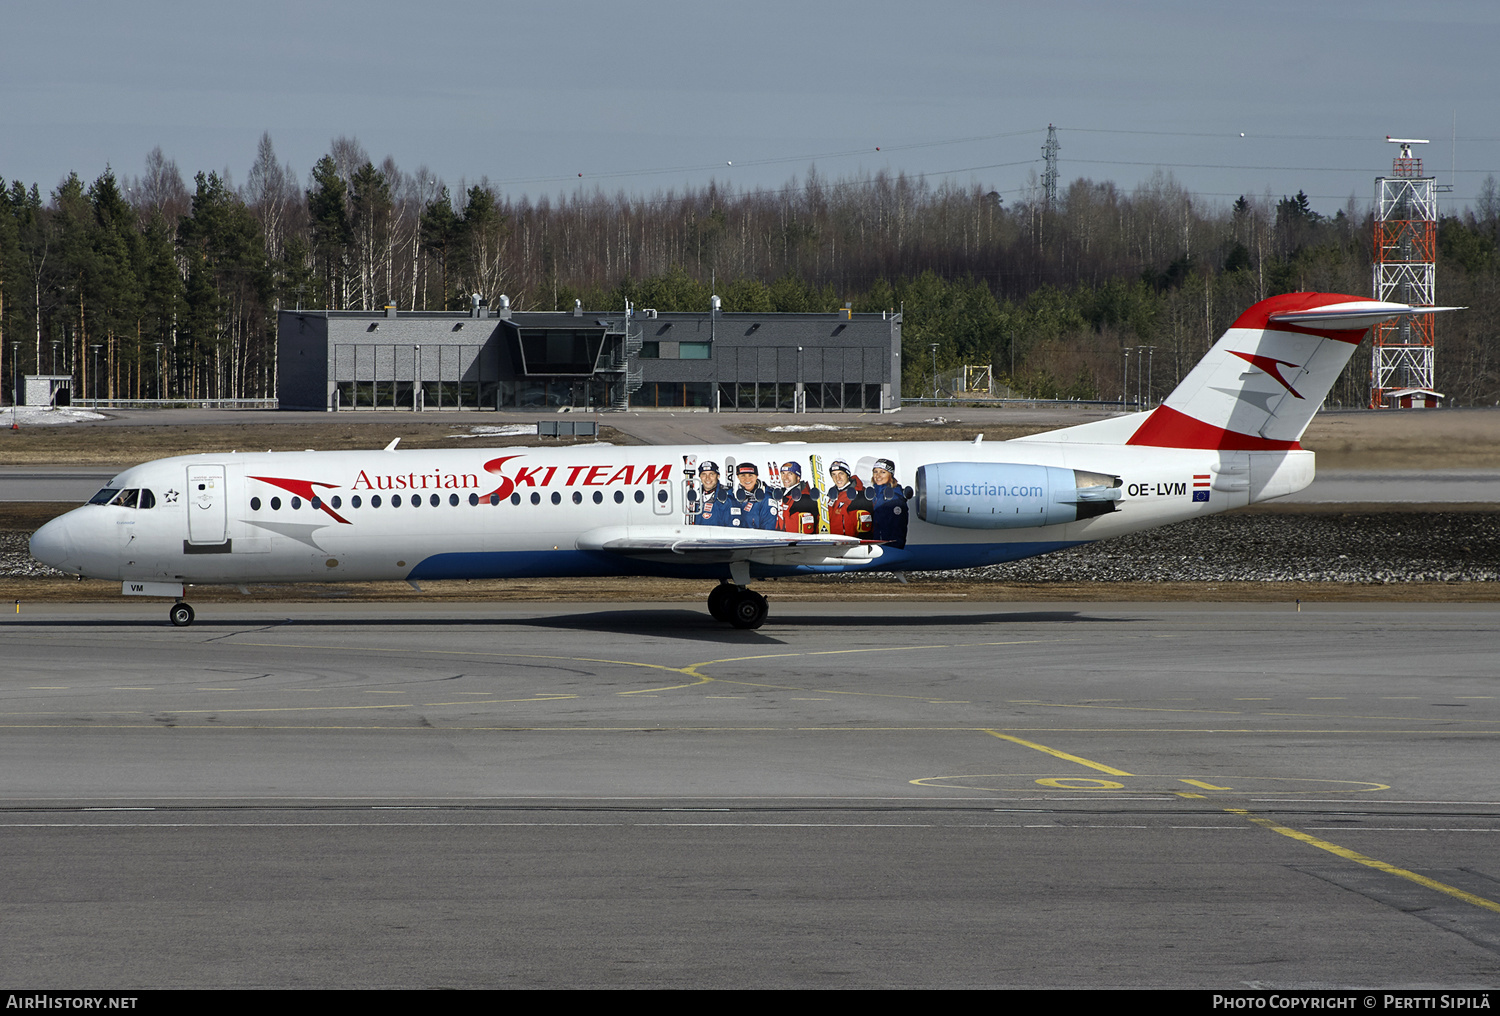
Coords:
pixel 794 428
pixel 502 430
pixel 45 416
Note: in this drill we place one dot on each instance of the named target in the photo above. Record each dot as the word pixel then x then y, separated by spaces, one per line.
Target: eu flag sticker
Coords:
pixel 1200 495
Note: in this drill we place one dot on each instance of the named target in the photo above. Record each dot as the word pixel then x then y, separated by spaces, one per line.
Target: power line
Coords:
pixel 1275 169
pixel 1236 135
pixel 782 160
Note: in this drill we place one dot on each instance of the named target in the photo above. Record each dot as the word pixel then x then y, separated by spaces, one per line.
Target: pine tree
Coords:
pixel 331 232
pixel 439 232
pixel 370 224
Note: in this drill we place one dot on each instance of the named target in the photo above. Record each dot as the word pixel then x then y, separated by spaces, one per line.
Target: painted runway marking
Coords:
pixel 692 670
pixel 698 678
pixel 1134 785
pixel 1141 783
pixel 1264 823
pixel 1111 770
pixel 1369 862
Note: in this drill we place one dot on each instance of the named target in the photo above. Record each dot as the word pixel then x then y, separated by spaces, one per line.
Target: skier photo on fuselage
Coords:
pixel 797 501
pixel 889 512
pixel 753 507
pixel 710 503
pixel 846 506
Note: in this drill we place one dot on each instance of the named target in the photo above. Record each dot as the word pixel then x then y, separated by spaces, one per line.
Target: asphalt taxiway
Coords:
pixel 857 794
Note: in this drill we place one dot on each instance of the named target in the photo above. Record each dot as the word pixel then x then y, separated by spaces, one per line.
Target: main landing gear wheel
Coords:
pixel 180 614
pixel 720 600
pixel 747 609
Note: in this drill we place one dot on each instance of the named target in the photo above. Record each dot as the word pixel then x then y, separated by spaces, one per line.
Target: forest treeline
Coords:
pixel 109 279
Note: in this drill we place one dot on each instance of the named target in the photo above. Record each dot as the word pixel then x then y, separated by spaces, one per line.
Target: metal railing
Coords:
pixel 567 428
pixel 1129 405
pixel 174 403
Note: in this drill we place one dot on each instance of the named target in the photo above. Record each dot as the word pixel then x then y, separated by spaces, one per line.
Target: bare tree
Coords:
pixel 270 192
pixel 161 191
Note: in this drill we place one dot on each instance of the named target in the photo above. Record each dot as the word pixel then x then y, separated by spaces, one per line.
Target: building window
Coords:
pixel 650 351
pixel 560 351
pixel 694 350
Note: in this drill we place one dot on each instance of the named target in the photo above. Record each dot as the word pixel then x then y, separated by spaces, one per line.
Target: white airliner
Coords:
pixel 1226 437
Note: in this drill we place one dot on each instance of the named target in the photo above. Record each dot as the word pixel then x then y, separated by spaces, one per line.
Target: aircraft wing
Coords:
pixel 708 545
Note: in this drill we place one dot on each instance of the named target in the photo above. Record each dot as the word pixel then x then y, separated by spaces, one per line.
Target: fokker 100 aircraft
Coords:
pixel 1226 437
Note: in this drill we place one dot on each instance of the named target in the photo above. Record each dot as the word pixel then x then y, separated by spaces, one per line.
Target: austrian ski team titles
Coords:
pixel 525 476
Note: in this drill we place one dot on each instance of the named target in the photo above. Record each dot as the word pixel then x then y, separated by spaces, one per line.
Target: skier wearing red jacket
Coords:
pixel 798 501
pixel 847 506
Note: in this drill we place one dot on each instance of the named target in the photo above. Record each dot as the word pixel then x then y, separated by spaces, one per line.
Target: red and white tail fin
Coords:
pixel 1261 384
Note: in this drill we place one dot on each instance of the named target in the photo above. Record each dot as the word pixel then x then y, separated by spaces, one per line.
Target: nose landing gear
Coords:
pixel 180 614
pixel 741 607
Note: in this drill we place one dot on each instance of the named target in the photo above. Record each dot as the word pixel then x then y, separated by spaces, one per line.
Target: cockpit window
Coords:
pixel 132 498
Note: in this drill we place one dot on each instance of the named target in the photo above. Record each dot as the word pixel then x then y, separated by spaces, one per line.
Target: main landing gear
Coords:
pixel 740 606
pixel 180 614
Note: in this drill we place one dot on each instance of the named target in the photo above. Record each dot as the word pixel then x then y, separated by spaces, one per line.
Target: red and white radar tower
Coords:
pixel 1405 269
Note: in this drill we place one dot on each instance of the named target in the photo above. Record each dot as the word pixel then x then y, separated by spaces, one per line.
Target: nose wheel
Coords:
pixel 743 608
pixel 180 614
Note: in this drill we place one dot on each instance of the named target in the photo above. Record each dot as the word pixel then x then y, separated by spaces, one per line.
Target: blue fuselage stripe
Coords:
pixel 583 563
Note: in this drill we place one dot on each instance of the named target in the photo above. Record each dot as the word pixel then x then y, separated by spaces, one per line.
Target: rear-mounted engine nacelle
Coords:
pixel 1001 495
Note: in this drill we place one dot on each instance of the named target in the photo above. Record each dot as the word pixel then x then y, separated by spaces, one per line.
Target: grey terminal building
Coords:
pixel 503 359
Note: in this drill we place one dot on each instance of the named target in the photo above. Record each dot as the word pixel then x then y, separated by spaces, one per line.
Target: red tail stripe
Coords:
pixel 1167 428
pixel 1259 316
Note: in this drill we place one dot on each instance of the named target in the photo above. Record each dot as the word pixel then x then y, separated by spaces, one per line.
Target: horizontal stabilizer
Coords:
pixel 1356 315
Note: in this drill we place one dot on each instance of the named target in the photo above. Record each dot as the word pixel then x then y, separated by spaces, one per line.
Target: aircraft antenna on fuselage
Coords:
pixel 392 446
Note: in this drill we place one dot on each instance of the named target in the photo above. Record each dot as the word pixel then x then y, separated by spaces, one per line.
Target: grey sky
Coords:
pixel 652 96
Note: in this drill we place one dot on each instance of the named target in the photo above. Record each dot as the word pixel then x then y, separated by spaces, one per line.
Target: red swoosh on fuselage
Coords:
pixel 506 483
pixel 304 489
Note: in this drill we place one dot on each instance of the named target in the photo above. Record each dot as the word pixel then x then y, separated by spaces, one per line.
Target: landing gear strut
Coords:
pixel 180 614
pixel 741 607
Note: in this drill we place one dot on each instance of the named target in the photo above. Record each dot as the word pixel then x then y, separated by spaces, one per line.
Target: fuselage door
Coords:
pixel 207 511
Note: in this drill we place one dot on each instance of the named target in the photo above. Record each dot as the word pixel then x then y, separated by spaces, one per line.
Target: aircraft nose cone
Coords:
pixel 53 544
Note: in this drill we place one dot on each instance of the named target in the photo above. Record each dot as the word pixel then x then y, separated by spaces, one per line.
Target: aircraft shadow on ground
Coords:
pixel 666 622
